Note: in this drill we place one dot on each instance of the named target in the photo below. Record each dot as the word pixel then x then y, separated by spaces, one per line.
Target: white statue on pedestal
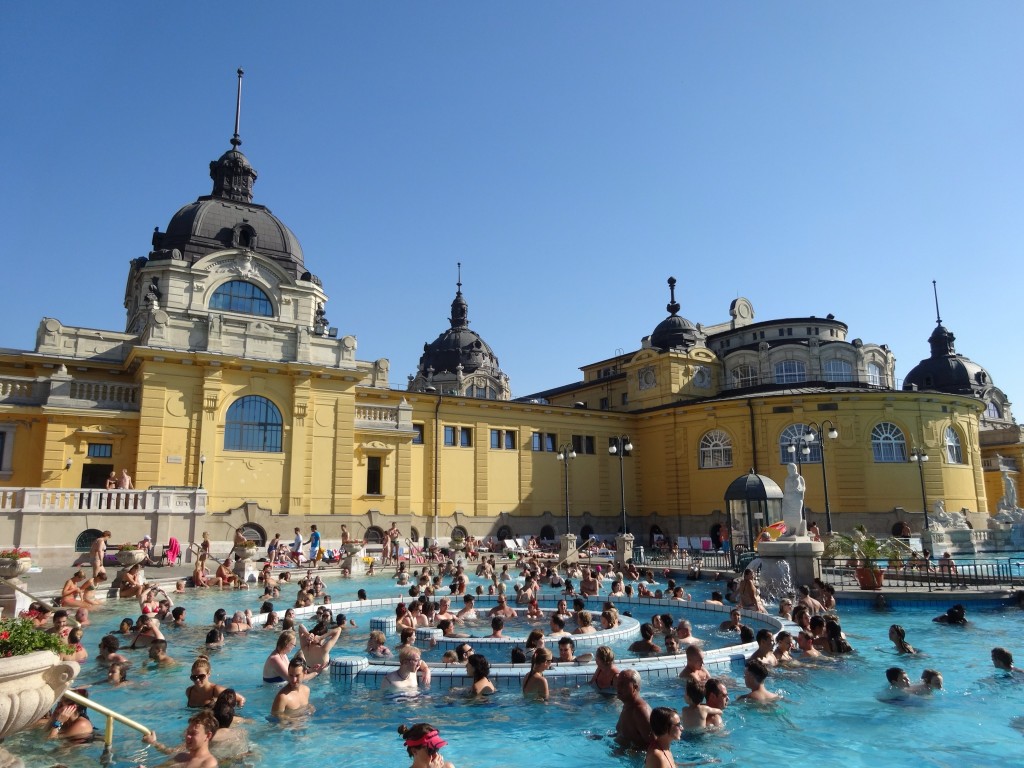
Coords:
pixel 793 502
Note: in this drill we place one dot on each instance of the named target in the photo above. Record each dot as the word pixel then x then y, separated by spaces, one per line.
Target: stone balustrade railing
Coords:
pixel 66 392
pixel 184 500
pixel 384 417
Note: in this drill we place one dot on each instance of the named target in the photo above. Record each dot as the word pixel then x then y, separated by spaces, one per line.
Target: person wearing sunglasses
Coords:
pixel 203 691
pixel 666 727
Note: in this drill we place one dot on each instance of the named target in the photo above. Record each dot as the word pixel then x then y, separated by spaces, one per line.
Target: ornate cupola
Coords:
pixel 675 332
pixel 459 361
pixel 945 370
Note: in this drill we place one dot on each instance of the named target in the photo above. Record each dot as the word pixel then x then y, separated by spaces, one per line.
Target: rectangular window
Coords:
pixel 373 486
pixel 535 442
pixel 588 444
pixel 577 443
pixel 449 436
pixel 605 403
pixel 495 439
pixel 101 451
pixel 549 442
pixel 466 437
pixel 625 398
pixel 583 444
pixel 417 434
pixel 510 441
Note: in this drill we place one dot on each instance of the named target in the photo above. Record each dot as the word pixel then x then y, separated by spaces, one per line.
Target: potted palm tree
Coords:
pixel 864 553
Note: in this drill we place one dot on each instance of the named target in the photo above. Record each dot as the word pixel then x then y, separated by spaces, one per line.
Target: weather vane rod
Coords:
pixel 235 140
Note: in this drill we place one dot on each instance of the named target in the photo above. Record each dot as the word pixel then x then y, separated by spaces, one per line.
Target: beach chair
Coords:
pixel 172 552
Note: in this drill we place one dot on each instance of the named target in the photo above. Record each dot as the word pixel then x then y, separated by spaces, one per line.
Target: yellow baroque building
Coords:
pixel 232 402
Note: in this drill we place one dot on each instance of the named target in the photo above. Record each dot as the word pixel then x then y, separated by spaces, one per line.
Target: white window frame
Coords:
pixel 715 449
pixel 888 443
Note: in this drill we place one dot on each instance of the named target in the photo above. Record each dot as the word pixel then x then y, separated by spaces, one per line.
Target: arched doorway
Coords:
pixel 586 532
pixel 253 532
pixel 414 533
pixel 505 532
pixel 374 535
pixel 656 535
pixel 458 532
pixel 547 533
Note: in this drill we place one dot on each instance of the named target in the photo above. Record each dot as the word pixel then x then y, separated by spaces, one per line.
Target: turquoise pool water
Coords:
pixel 829 712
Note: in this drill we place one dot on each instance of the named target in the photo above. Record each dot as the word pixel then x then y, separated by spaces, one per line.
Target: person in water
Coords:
pixel 424 744
pixel 293 698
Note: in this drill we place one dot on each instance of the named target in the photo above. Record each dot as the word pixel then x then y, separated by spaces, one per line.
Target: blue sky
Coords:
pixel 813 157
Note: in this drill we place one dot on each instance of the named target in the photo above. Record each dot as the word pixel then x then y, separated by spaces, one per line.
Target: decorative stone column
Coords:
pixel 567 552
pixel 624 548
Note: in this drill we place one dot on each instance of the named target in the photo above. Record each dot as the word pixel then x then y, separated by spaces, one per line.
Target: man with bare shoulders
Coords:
pixel 589 585
pixel 503 609
pixel 765 652
pixel 754 675
pixel 196 753
pixel 411 671
pixel 633 730
pixel 694 669
pixel 293 697
pixel 813 606
pixel 717 697
pixel 317 648
pixel 444 611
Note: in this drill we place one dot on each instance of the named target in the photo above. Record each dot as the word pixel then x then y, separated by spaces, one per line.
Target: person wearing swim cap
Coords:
pixel 424 744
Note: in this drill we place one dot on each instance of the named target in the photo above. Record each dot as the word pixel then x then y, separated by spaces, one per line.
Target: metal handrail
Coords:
pixel 111 716
pixel 912 573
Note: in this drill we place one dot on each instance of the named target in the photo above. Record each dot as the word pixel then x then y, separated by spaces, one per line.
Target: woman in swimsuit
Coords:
pixel 72 595
pixel 535 686
pixel 203 691
pixel 666 727
pixel 479 668
pixel 130 585
pixel 606 672
pixel 275 668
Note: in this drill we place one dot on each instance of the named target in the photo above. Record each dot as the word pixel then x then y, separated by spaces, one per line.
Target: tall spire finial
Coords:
pixel 235 140
pixel 673 305
pixel 459 282
pixel 938 317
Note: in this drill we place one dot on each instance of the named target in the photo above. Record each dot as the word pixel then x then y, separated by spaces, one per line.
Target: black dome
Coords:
pixel 753 487
pixel 228 218
pixel 458 345
pixel 674 331
pixel 945 370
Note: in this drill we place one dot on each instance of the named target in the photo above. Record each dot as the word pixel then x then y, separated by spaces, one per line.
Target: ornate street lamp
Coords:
pixel 832 433
pixel 202 465
pixel 565 455
pixel 920 457
pixel 621 446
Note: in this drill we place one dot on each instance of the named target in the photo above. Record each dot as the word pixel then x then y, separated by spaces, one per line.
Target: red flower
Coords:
pixel 4 635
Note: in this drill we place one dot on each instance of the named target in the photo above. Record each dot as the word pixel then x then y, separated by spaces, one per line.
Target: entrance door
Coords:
pixel 95 475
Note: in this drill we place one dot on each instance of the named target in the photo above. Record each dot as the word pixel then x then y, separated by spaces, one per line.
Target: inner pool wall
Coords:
pixel 349 669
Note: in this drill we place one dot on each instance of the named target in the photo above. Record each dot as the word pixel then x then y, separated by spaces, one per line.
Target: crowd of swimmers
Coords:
pixel 302 653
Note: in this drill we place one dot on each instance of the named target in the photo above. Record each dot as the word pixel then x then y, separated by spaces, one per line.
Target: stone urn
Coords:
pixel 244 553
pixel 11 568
pixel 126 558
pixel 29 686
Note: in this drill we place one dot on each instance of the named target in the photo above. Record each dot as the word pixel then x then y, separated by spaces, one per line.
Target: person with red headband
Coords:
pixel 423 743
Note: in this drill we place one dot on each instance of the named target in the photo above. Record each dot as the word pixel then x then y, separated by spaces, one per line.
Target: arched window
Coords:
pixel 240 296
pixel 744 376
pixel 838 370
pixel 586 532
pixel 953 453
pixel 715 450
pixel 374 534
pixel 547 533
pixel 253 424
pixel 790 372
pixel 458 532
pixel 888 443
pixel 992 411
pixel 85 539
pixel 875 375
pixel 795 436
pixel 505 532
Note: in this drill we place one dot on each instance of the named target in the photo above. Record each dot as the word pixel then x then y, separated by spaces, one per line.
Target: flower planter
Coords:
pixel 129 557
pixel 869 578
pixel 9 568
pixel 29 686
pixel 244 553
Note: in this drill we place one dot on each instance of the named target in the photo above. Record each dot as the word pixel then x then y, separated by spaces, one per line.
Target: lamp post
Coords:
pixel 832 433
pixel 621 446
pixel 437 416
pixel 565 455
pixel 202 466
pixel 920 457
